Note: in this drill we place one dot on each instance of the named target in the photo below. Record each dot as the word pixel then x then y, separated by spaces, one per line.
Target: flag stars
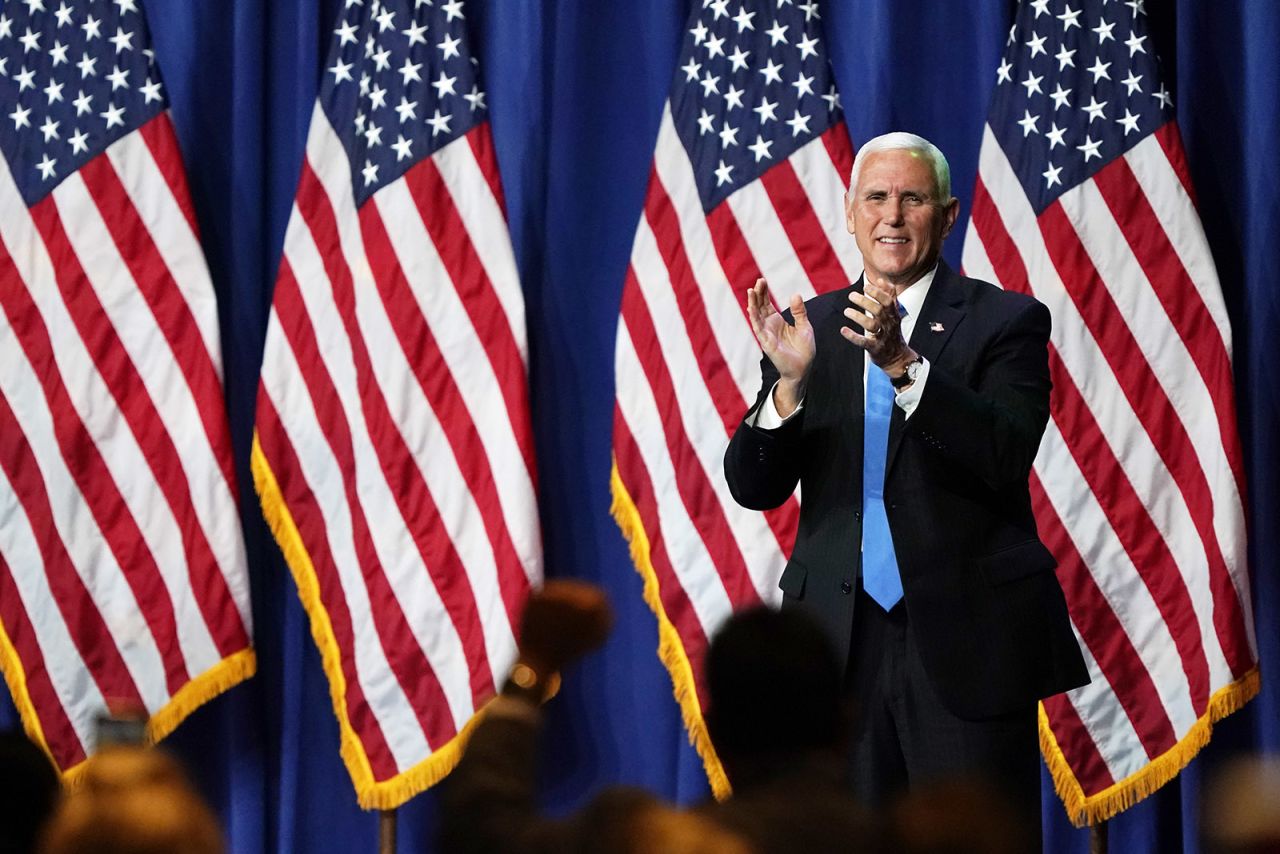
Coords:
pixel 53 91
pixel 1090 148
pixel 1099 69
pixel 1028 123
pixel 808 46
pixel 88 66
pixel 439 123
pixel 79 142
pixel 150 91
pixel 6 26
pixel 370 172
pixel 122 40
pixel 772 72
pixel 1163 96
pixel 733 97
pixel 373 135
pixel 406 109
pixel 377 97
pixel 30 41
pixel 46 166
pixel 728 136
pixel 1055 136
pixel 1041 7
pixel 1036 43
pixel 126 6
pixel 63 14
pixel 723 172
pixel 444 85
pixel 832 98
pixel 691 70
pixel 403 147
pixel 1032 83
pixel 710 84
pixel 1050 176
pixel 699 33
pixel 92 28
pixel 1064 58
pixel 21 117
pixel 453 9
pixel 766 111
pixel 777 34
pixel 1069 18
pixel 715 47
pixel 738 58
pixel 58 53
pixel 1129 122
pixel 743 19
pixel 409 71
pixel 1104 31
pixel 449 47
pixel 720 8
pixel 49 128
pixel 26 79
pixel 706 124
pixel 803 85
pixel 1003 73
pixel 760 148
pixel 386 20
pixel 1132 83
pixel 382 60
pixel 798 123
pixel 1060 96
pixel 83 103
pixel 1134 43
pixel 1138 7
pixel 475 98
pixel 810 10
pixel 114 116
pixel 119 78
pixel 340 71
pixel 415 34
pixel 34 6
pixel 1095 109
pixel 346 33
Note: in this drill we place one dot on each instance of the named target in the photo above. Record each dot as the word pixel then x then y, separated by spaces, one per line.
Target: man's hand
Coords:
pixel 563 621
pixel 790 347
pixel 876 311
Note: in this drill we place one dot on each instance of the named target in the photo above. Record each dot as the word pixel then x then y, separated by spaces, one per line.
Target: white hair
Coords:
pixel 902 141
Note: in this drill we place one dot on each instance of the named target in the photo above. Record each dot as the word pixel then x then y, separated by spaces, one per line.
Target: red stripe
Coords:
pixel 424 358
pixel 314 532
pixel 59 735
pixel 673 596
pixel 159 136
pixel 467 276
pixel 840 148
pixel 696 491
pixel 1122 667
pixel 79 448
pixel 173 315
pixel 804 230
pixel 1077 745
pixel 480 138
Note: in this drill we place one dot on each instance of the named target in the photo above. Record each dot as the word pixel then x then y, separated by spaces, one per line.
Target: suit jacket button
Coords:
pixel 846 587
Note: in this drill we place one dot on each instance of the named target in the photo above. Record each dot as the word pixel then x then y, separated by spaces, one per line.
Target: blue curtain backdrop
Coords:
pixel 576 88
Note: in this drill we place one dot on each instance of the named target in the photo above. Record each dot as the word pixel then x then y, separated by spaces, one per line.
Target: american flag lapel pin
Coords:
pixel 935 326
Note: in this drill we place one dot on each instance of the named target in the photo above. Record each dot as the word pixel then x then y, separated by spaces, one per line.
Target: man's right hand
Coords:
pixel 790 347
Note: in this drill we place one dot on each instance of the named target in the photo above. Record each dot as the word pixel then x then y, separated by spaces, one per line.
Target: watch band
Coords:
pixel 908 375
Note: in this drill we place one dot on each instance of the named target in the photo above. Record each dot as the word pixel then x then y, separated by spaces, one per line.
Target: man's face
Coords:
pixel 897 218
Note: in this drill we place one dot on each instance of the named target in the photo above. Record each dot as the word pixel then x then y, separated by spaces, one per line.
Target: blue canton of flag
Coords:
pixel 751 89
pixel 1075 90
pixel 400 85
pixel 74 80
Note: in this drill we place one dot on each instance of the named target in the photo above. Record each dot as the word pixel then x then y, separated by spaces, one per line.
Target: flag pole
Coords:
pixel 1098 838
pixel 387 831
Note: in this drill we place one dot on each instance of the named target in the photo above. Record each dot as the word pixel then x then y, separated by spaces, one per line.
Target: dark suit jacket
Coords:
pixel 980 590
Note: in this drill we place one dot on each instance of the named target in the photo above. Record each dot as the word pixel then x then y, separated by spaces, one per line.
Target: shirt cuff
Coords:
pixel 766 417
pixel 909 398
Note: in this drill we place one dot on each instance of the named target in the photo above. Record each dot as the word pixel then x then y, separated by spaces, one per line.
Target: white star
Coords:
pixel 1054 134
pixel 1135 44
pixel 832 98
pixel 409 71
pixel 1028 123
pixel 63 15
pixel 1041 7
pixel 126 6
pixel 799 124
pixel 733 97
pixel 1129 122
pixel 778 33
pixel 1059 96
pixel 30 42
pixel 710 84
pixel 26 79
pixel 1032 83
pixel 722 173
pixel 1132 83
pixel 34 6
pixel 738 58
pixel 760 148
pixel 46 166
pixel 721 9
pixel 79 142
pixel 1137 6
pixel 114 116
pixel 766 111
pixel 382 60
pixel 53 91
pixel 150 91
pixel 439 123
pixel 450 47
pixel 83 103
pixel 346 33
pixel 49 128
pixel 1099 69
pixel 771 72
pixel 359 121
pixel 406 109
pixel 1002 73
pixel 92 28
pixel 1036 43
pixel 1094 109
pixel 475 98
pixel 340 71
pixel 370 172
pixel 444 85
pixel 87 66
pixel 728 136
pixel 6 26
pixel 1090 148
pixel 810 11
pixel 1068 18
pixel 1051 176
pixel 715 47
pixel 415 33
pixel 706 123
pixel 385 20
pixel 122 40
pixel 1163 96
pixel 19 117
pixel 373 135
pixel 119 78
pixel 377 98
pixel 402 146
pixel 1104 31
pixel 699 33
pixel 743 19
pixel 804 85
pixel 808 47
pixel 453 9
pixel 1064 58
pixel 691 70
pixel 369 44
pixel 59 53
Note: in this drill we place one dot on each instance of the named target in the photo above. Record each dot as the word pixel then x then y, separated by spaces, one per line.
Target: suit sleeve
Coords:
pixel 762 466
pixel 992 427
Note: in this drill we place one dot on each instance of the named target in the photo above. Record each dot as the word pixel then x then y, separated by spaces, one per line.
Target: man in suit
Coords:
pixel 909 408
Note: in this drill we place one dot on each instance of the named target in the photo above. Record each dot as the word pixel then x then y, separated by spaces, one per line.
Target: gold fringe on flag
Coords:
pixel 1085 809
pixel 670 649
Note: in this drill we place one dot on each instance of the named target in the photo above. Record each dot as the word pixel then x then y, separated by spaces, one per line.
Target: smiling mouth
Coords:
pixel 892 241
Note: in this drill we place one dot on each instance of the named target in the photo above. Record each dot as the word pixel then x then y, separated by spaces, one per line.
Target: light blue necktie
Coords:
pixel 880 576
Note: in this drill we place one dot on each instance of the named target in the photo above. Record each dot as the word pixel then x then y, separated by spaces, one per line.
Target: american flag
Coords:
pixel 748 179
pixel 1083 199
pixel 123 582
pixel 394 453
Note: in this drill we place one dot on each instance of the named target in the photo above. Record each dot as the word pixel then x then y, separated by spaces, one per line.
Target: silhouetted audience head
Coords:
pixel 957 816
pixel 1240 812
pixel 773 684
pixel 29 791
pixel 132 800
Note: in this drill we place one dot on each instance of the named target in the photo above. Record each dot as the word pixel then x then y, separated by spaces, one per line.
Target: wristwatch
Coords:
pixel 531 685
pixel 908 376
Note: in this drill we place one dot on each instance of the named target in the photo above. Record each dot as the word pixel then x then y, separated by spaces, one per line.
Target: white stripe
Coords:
pixel 77 693
pixel 473 375
pixel 283 383
pixel 722 299
pixel 755 539
pixel 769 243
pixel 134 323
pixel 974 261
pixel 1106 721
pixel 690 561
pixel 825 187
pixel 1106 400
pixel 1126 593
